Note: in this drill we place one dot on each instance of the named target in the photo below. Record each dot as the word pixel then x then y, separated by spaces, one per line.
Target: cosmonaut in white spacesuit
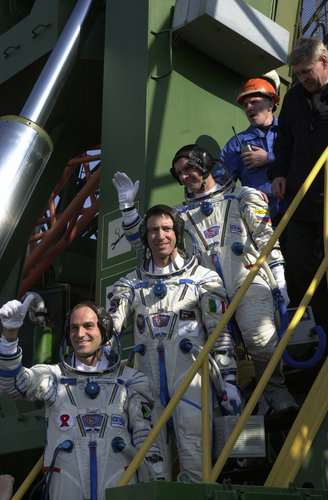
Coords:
pixel 231 225
pixel 175 304
pixel 98 412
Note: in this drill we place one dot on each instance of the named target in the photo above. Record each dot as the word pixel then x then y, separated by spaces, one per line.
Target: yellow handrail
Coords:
pixel 33 474
pixel 294 322
pixel 302 434
pixel 313 410
pixel 267 373
pixel 206 437
pixel 325 213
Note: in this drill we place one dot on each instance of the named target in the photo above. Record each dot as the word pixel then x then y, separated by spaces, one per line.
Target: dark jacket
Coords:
pixel 302 137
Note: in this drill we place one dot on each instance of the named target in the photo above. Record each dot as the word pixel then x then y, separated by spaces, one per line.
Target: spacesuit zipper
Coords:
pixel 151 333
pixel 93 470
pixel 174 320
pixel 164 391
pixel 224 229
pixel 197 231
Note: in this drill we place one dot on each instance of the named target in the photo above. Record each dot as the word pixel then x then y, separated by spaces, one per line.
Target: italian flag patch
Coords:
pixel 216 306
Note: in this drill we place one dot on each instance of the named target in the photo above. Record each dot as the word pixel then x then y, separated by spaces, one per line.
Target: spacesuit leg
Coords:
pixel 255 319
pixel 256 322
pixel 148 363
pixel 188 431
pixel 275 393
pixel 164 441
pixel 65 485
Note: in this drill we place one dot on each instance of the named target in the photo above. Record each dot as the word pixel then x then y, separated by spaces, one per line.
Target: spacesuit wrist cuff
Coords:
pixel 226 352
pixel 277 263
pixel 128 209
pixel 8 347
pixel 130 216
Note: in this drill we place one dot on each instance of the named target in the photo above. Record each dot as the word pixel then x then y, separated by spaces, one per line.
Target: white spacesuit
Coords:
pixel 173 314
pixel 96 420
pixel 231 224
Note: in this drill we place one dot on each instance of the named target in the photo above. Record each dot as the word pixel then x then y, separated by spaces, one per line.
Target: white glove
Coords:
pixel 126 189
pixel 232 395
pixel 279 275
pixel 12 313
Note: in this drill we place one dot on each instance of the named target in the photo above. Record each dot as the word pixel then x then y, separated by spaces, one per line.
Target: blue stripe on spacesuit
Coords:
pixel 218 268
pixel 216 262
pixel 142 284
pixel 187 208
pixel 10 373
pixel 93 469
pixel 132 237
pixel 146 284
pixel 186 280
pixel 67 380
pixel 198 201
pixel 264 218
pixel 191 403
pixel 164 391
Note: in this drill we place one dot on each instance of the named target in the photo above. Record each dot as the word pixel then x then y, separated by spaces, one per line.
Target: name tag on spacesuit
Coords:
pixel 187 324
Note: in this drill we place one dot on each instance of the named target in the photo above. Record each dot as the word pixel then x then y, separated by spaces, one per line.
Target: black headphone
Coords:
pixel 105 322
pixel 197 157
pixel 178 224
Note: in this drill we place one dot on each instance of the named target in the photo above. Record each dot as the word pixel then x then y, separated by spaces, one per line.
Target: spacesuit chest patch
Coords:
pixel 234 228
pixel 140 321
pixel 160 320
pixel 211 232
pixel 92 422
pixel 118 421
pixel 185 315
pixel 65 421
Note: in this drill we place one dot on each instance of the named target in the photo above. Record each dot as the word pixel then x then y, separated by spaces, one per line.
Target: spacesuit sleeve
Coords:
pixel 255 211
pixel 121 303
pixel 213 304
pixel 132 234
pixel 18 382
pixel 140 405
pixel 212 299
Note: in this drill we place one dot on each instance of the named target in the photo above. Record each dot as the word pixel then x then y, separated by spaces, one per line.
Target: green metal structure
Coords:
pixel 144 84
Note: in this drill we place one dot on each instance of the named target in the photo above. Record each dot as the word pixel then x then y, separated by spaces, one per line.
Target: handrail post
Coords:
pixel 325 216
pixel 206 437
